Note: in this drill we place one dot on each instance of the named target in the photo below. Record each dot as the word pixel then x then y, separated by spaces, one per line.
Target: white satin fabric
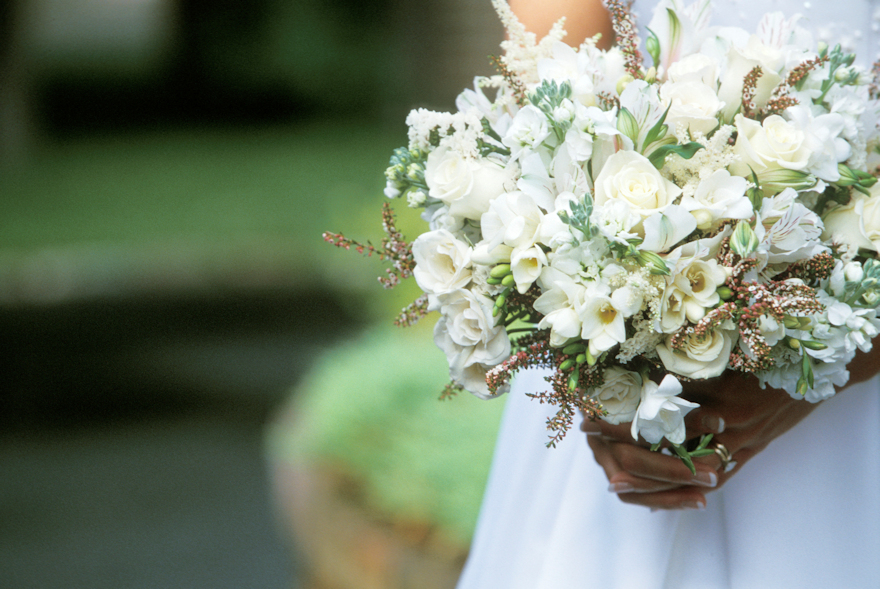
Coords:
pixel 805 513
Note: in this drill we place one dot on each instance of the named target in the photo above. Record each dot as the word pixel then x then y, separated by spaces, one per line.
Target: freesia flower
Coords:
pixel 661 412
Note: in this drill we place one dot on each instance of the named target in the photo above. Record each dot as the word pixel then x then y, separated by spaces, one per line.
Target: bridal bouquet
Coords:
pixel 634 224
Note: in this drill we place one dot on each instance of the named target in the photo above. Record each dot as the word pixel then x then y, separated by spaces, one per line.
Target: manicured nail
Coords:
pixel 620 488
pixel 713 423
pixel 705 479
pixel 730 466
pixel 693 505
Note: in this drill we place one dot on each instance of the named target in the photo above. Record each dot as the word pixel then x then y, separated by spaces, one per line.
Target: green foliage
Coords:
pixel 216 199
pixel 371 407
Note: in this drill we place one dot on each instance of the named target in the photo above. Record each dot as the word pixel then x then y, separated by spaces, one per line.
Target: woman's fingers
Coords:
pixel 632 469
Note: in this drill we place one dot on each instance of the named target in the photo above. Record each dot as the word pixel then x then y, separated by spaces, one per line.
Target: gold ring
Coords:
pixel 727 461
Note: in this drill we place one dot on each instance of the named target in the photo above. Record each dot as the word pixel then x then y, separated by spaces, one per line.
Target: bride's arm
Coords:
pixel 583 18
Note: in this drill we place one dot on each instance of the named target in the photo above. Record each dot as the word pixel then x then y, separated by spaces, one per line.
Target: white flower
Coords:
pixel 719 196
pixel 700 357
pixel 691 103
pixel 698 282
pixel 665 229
pixel 788 231
pixel 568 65
pixel 661 412
pixel 559 303
pixel 526 265
pixel 442 262
pixel 695 67
pixel 823 140
pixel 630 177
pixel 528 130
pixel 619 394
pixel 467 334
pixel 467 186
pixel 773 144
pixel 603 324
pixel 740 62
pixel 512 220
pixel 856 224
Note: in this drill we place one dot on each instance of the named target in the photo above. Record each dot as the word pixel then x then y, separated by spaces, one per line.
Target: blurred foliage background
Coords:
pixel 167 168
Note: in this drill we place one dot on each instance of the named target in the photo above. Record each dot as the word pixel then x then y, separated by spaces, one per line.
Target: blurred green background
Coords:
pixel 167 168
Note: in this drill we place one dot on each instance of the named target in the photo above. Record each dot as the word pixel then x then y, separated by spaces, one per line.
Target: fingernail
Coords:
pixel 713 423
pixel 620 488
pixel 730 466
pixel 693 505
pixel 592 433
pixel 705 479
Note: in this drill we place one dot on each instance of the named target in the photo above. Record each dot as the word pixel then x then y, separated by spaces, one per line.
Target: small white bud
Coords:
pixel 853 272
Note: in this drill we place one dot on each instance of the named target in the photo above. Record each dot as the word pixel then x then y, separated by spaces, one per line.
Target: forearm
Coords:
pixel 583 18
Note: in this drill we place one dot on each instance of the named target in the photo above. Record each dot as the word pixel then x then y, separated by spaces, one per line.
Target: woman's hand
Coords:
pixel 743 417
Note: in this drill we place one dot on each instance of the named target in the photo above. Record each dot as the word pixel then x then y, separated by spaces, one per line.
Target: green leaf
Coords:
pixel 652 44
pixel 686 151
pixel 658 131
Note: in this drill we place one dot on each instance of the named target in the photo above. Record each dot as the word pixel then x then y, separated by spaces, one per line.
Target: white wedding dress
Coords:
pixel 804 514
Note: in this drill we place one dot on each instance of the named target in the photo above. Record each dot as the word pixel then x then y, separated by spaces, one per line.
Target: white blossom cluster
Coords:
pixel 629 210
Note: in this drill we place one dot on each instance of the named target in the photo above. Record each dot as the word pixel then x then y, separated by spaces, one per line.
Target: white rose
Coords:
pixel 719 196
pixel 467 334
pixel 773 144
pixel 695 67
pixel 661 412
pixel 619 394
pixel 691 103
pixel 856 224
pixel 630 177
pixel 700 357
pixel 467 186
pixel 739 64
pixel 442 262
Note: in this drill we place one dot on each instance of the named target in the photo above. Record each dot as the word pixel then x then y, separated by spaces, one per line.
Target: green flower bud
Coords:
pixel 652 44
pixel 627 124
pixel 791 322
pixel 507 280
pixel 500 271
pixel 572 349
pixel 591 360
pixel 794 344
pixel 567 365
pixel 724 292
pixel 581 358
pixel 781 178
pixel 499 302
pixel 623 82
pixel 654 263
pixel 812 344
pixel 743 241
